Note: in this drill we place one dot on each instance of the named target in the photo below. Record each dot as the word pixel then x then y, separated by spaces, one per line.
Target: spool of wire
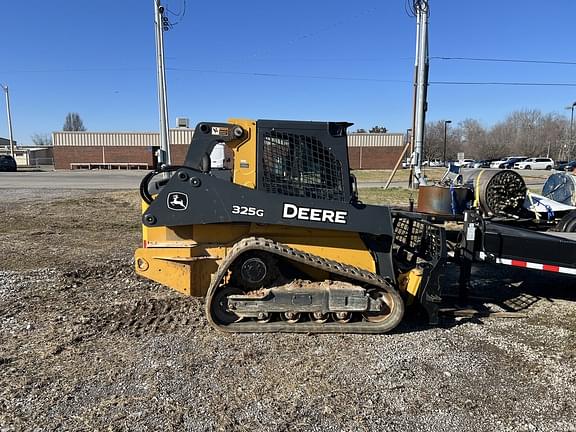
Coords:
pixel 561 187
pixel 496 192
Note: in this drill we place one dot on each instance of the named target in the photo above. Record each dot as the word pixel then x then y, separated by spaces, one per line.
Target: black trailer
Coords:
pixel 432 242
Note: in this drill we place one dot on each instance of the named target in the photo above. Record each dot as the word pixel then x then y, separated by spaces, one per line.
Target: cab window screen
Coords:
pixel 299 165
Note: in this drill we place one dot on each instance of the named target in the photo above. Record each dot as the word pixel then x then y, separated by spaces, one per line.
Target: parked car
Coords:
pixel 507 163
pixel 7 163
pixel 535 163
pixel 568 166
pixel 464 163
pixel 558 164
pixel 482 164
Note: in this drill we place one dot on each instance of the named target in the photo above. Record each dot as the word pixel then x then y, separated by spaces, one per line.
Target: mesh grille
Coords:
pixel 419 238
pixel 299 165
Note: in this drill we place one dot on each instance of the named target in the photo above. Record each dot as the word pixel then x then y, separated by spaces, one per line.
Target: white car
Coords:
pixel 508 162
pixel 465 163
pixel 535 163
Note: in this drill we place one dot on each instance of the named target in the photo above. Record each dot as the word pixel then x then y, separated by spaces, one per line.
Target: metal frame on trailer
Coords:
pixel 419 242
pixel 499 243
pixel 421 239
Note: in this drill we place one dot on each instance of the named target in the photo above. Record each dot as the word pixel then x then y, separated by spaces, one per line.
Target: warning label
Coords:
pixel 221 131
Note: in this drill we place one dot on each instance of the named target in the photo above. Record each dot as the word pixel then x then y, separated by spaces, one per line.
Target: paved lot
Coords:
pixel 71 180
pixel 104 180
pixel 97 180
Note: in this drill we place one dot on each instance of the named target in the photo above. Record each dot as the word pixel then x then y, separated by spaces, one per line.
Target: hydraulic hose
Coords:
pixel 144 192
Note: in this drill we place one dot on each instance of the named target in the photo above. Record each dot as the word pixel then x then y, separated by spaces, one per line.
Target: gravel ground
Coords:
pixel 86 345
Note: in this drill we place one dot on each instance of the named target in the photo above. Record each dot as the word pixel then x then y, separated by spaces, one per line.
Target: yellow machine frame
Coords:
pixel 186 257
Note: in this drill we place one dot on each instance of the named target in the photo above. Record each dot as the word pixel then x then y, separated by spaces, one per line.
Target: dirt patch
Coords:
pixel 85 227
pixel 87 345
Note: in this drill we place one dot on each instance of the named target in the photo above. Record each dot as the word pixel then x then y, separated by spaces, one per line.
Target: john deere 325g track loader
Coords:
pixel 282 243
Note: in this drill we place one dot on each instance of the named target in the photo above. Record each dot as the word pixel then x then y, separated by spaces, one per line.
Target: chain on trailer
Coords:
pixel 367 303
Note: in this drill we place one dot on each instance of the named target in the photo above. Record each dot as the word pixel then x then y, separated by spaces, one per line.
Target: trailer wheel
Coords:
pixel 571 226
pixel 567 223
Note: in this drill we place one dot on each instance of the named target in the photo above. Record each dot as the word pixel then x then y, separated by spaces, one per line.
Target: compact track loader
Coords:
pixel 278 243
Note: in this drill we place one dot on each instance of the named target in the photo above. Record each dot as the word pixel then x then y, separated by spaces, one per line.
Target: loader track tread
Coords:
pixel 353 273
pixel 151 316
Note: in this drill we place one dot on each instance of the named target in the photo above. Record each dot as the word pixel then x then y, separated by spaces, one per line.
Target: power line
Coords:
pixel 366 59
pixel 471 83
pixel 283 75
pixel 93 69
pixel 180 14
pixel 169 25
pixel 311 34
pixel 298 76
pixel 505 83
pixel 506 60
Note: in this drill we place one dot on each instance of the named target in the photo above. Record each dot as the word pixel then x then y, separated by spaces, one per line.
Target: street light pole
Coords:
pixel 446 122
pixel 159 21
pixel 564 152
pixel 5 88
pixel 422 11
pixel 571 125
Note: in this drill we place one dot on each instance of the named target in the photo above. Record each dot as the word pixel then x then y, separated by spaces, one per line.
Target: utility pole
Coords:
pixel 571 129
pixel 421 89
pixel 5 88
pixel 414 98
pixel 446 123
pixel 162 25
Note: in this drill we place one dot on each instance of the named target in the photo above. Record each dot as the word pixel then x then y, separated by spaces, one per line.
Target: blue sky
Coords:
pixel 305 60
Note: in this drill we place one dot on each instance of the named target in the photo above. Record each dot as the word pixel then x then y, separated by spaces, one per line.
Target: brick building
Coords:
pixel 114 150
pixel 374 150
pixel 110 150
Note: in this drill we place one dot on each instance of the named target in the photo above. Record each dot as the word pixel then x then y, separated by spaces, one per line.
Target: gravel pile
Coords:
pixel 98 347
pixel 89 346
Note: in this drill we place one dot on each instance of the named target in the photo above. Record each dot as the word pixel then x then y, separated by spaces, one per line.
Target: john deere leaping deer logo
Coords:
pixel 177 201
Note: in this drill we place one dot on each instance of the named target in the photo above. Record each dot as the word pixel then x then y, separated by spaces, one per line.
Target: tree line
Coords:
pixel 524 133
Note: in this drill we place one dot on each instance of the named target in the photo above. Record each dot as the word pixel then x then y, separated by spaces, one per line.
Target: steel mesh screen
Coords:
pixel 299 165
pixel 420 238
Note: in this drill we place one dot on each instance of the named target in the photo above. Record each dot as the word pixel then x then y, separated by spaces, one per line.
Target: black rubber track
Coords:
pixel 363 277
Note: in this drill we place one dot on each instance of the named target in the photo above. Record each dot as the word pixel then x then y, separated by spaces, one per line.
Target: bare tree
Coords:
pixel 434 140
pixel 471 139
pixel 554 128
pixel 498 143
pixel 42 139
pixel 530 133
pixel 73 122
pixel 524 132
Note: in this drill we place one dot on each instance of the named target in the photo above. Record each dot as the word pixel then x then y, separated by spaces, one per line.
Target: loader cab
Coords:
pixel 303 159
pixel 292 158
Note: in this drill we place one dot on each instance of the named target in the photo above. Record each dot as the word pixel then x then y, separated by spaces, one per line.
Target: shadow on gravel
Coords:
pixel 496 292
